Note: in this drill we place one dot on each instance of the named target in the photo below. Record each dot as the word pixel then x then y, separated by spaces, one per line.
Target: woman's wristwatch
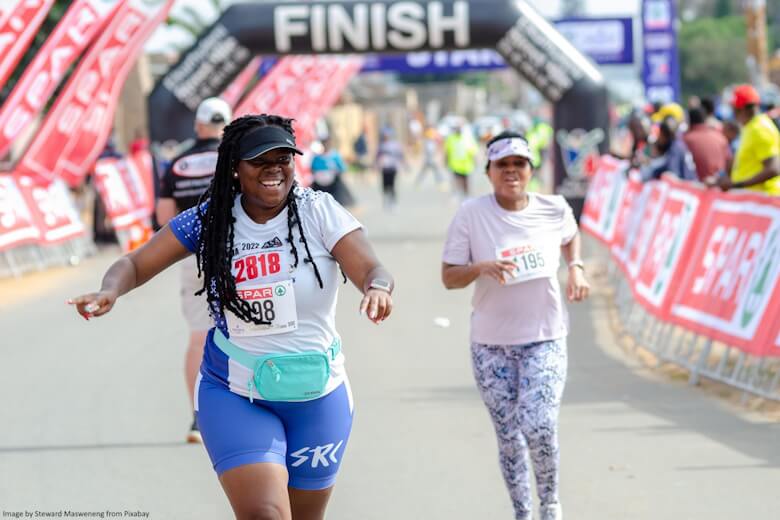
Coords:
pixel 577 263
pixel 382 285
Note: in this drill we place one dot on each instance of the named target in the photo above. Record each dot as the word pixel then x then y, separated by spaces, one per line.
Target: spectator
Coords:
pixel 708 106
pixel 708 146
pixel 757 162
pixel 670 155
pixel 732 131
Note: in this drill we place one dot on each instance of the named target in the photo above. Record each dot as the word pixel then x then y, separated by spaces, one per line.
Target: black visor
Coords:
pixel 264 139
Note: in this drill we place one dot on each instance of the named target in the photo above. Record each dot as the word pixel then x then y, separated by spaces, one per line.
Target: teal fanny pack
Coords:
pixel 283 377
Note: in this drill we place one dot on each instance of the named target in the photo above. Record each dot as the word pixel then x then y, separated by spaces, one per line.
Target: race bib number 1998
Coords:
pixel 274 303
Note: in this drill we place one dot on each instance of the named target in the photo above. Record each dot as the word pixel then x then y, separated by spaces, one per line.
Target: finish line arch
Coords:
pixel 527 42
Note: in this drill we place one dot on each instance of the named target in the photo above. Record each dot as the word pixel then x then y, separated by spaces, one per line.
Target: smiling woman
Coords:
pixel 273 400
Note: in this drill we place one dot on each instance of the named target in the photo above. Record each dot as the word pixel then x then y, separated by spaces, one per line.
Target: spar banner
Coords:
pixel 727 289
pixel 125 187
pixel 17 31
pixel 628 219
pixel 53 210
pixel 605 193
pixel 670 245
pixel 649 205
pixel 232 95
pixel 75 131
pixel 77 29
pixel 17 224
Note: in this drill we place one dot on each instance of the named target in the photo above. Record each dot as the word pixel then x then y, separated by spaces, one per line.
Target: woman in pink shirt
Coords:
pixel 510 244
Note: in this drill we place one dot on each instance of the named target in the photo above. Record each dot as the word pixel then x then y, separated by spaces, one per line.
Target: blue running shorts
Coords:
pixel 309 438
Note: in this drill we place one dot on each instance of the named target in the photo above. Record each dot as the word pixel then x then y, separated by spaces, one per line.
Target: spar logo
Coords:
pixel 261 293
pixel 730 286
pixel 661 260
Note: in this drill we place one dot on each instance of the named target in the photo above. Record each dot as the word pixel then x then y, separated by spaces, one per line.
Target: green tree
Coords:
pixel 713 54
pixel 723 8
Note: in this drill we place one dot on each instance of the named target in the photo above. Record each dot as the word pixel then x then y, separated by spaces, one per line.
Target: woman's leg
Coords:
pixel 543 377
pixel 309 505
pixel 496 375
pixel 258 491
pixel 247 446
pixel 317 436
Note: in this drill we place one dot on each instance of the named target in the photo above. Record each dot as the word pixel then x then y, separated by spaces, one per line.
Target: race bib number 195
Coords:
pixel 273 303
pixel 531 261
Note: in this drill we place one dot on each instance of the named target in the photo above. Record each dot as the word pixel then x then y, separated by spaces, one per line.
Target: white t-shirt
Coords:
pixel 515 313
pixel 262 257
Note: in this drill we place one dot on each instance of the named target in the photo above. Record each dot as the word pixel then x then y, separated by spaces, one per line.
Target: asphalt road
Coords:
pixel 94 414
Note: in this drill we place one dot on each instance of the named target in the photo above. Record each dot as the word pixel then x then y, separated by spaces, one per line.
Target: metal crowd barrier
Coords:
pixel 23 259
pixel 699 355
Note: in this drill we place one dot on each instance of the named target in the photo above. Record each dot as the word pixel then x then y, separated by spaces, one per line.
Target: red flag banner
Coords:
pixel 125 186
pixel 17 32
pixel 670 245
pixel 628 219
pixel 76 129
pixel 53 210
pixel 236 89
pixel 77 29
pixel 17 224
pixel 605 191
pixel 733 273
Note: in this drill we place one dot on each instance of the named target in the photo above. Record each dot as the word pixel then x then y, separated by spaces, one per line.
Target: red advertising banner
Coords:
pixel 628 219
pixel 70 38
pixel 76 129
pixel 17 32
pixel 670 245
pixel 733 272
pixel 125 188
pixel 605 191
pixel 651 203
pixel 52 209
pixel 236 89
pixel 17 224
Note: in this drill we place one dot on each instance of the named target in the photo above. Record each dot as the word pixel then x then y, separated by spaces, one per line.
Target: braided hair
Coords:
pixel 216 244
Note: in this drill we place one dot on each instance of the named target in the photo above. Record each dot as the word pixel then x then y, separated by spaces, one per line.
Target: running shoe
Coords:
pixel 551 512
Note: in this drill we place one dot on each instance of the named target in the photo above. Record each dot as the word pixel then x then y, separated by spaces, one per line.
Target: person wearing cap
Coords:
pixel 182 184
pixel 673 110
pixel 509 244
pixel 272 399
pixel 757 161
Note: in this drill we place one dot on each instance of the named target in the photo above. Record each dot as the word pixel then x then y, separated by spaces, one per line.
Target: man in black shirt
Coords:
pixel 188 176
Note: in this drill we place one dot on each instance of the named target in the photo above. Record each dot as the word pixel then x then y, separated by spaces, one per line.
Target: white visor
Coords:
pixel 507 147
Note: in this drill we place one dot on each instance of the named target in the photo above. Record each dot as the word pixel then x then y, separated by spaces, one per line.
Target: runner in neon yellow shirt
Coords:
pixel 460 149
pixel 757 163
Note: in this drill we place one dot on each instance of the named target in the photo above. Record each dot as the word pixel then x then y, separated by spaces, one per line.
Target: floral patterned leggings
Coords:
pixel 522 386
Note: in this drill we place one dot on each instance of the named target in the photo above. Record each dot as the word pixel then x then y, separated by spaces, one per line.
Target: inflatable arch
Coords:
pixel 527 42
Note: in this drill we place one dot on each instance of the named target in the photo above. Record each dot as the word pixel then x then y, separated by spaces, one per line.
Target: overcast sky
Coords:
pixel 165 36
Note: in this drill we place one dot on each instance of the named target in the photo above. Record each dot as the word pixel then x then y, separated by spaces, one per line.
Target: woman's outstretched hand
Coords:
pixel 93 305
pixel 377 304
